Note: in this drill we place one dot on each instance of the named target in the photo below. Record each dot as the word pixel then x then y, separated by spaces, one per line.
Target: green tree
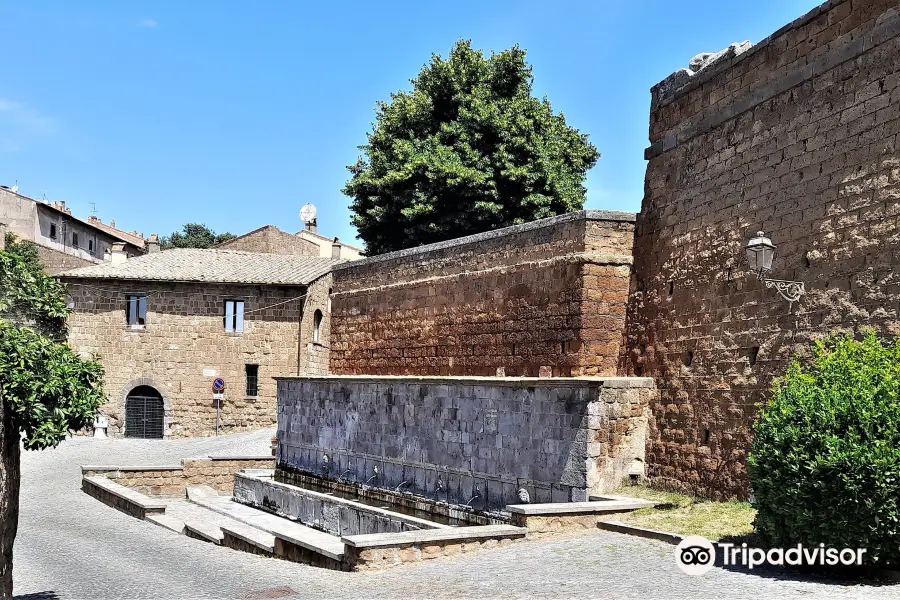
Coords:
pixel 468 149
pixel 24 249
pixel 46 389
pixel 194 235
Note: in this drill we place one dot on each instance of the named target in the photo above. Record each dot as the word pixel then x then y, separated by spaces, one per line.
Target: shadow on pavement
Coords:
pixel 38 596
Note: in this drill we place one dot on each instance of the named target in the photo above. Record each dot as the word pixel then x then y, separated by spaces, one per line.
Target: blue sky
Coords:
pixel 237 113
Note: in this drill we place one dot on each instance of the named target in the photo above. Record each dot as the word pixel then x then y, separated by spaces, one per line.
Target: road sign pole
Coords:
pixel 218 389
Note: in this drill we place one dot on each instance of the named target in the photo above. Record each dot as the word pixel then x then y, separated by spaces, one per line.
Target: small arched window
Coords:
pixel 329 299
pixel 317 325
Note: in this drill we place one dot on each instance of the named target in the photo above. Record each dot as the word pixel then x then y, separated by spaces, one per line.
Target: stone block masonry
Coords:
pixel 184 345
pixel 797 137
pixel 543 298
pixel 466 440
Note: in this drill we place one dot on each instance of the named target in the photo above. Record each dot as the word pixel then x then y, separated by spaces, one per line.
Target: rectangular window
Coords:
pixel 52 231
pixel 252 380
pixel 136 310
pixel 234 316
pixel 91 246
pixel 74 240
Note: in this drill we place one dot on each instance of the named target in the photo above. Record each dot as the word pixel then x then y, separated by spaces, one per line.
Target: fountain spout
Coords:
pixel 397 489
pixel 374 475
pixel 477 495
pixel 341 478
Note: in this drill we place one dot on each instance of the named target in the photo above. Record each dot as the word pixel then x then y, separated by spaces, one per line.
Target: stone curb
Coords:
pixel 662 536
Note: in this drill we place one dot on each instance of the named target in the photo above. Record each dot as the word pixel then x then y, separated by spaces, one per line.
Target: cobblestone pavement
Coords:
pixel 70 546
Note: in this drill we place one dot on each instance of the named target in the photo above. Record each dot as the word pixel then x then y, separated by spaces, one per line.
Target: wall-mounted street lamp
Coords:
pixel 760 255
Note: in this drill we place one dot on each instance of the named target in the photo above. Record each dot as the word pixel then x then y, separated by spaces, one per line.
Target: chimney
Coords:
pixel 112 223
pixel 153 243
pixel 118 256
pixel 94 219
pixel 336 248
pixel 2 236
pixel 311 226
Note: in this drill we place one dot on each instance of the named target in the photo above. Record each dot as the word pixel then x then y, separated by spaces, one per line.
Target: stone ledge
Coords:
pixel 577 508
pixel 203 531
pixel 663 536
pixel 455 534
pixel 250 535
pixel 124 499
pixel 85 468
pixel 605 382
pixel 236 458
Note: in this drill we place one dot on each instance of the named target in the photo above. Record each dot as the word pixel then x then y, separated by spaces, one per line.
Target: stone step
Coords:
pixel 204 531
pixel 306 537
pixel 164 520
pixel 194 492
pixel 122 498
pixel 251 536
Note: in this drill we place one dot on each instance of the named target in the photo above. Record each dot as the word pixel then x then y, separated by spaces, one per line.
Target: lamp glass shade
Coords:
pixel 760 253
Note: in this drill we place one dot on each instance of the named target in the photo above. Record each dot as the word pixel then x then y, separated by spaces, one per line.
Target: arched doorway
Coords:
pixel 144 413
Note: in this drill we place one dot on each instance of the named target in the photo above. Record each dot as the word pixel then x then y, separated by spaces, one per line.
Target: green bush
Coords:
pixel 825 460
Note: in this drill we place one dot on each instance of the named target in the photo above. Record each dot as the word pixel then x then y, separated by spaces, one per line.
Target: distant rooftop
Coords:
pixel 212 266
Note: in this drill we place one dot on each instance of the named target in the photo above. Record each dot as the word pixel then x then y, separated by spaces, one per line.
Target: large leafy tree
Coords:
pixel 466 150
pixel 194 235
pixel 46 389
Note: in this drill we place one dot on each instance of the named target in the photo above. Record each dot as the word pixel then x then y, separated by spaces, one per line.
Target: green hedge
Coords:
pixel 825 460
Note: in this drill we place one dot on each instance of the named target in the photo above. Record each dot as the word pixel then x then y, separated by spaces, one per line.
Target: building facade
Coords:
pixel 63 241
pixel 166 325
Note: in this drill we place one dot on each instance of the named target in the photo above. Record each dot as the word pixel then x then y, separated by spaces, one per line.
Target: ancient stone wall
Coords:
pixel 797 137
pixel 184 346
pixel 543 298
pixel 466 440
pixel 56 262
pixel 271 240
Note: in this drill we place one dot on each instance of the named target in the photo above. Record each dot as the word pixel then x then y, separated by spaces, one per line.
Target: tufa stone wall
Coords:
pixel 184 346
pixel 466 440
pixel 798 137
pixel 271 240
pixel 543 298
pixel 56 262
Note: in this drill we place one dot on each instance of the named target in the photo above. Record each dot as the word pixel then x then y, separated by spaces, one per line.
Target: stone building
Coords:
pixel 166 324
pixel 63 241
pixel 272 240
pixel 799 137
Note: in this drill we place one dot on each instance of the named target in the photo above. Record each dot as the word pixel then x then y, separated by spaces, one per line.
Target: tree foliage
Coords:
pixel 24 249
pixel 825 460
pixel 194 235
pixel 46 386
pixel 466 150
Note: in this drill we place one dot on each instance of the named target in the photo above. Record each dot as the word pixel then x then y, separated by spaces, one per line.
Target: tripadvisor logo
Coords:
pixel 696 555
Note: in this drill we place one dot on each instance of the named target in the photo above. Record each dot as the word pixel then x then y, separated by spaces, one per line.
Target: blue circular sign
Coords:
pixel 218 384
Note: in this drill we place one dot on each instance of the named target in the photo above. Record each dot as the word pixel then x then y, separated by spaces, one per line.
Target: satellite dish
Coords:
pixel 308 213
pixel 15 188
